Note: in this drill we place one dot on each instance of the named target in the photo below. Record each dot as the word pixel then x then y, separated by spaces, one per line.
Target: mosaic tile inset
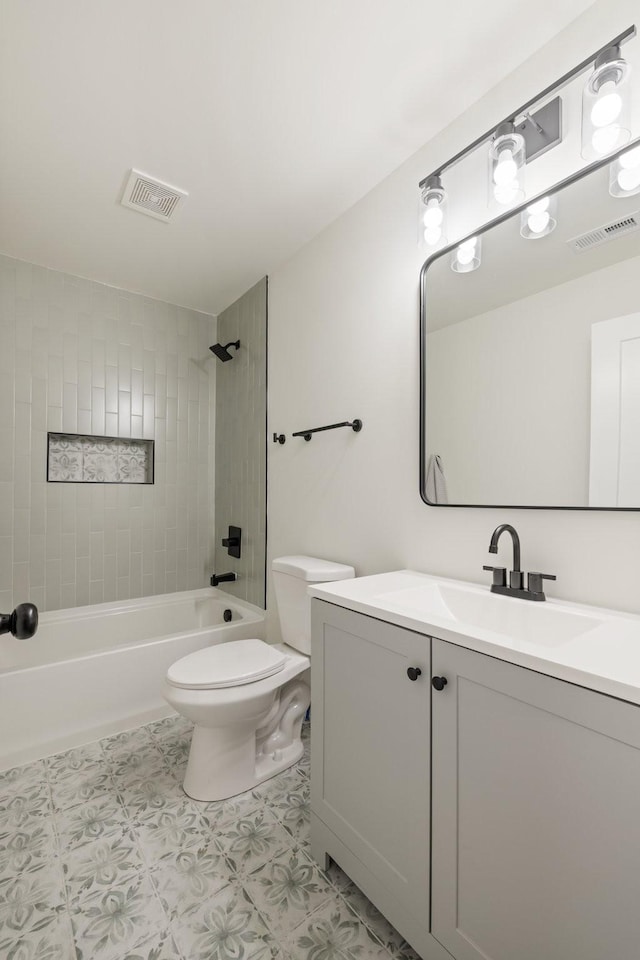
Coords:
pixel 74 458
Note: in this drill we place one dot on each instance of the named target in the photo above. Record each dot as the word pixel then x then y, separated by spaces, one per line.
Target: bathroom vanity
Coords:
pixel 476 766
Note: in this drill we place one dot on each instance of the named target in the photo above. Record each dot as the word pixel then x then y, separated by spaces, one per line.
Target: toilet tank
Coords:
pixel 291 577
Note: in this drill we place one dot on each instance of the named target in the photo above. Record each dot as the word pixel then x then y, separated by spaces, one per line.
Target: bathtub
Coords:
pixel 93 671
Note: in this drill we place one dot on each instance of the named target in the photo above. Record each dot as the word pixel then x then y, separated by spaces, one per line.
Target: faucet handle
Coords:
pixel 499 575
pixel 534 581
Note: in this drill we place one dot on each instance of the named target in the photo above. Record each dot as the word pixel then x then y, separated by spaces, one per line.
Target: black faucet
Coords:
pixel 516 588
pixel 217 578
pixel 515 577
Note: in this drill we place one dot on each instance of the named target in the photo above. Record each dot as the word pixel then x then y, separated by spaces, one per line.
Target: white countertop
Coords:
pixel 605 656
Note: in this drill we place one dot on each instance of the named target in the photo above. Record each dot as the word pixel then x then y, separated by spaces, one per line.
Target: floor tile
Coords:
pixel 54 941
pixel 31 803
pixel 82 786
pixel 109 924
pixel 173 827
pixel 185 879
pixel 143 764
pixel 293 809
pixel 334 933
pixel 31 901
pixel 101 852
pixel 171 726
pixel 227 928
pixel 73 762
pixel 22 850
pixel 288 889
pixel 19 779
pixel 149 792
pixel 124 744
pixel 101 864
pixel 103 817
pixel 253 840
pixel 161 946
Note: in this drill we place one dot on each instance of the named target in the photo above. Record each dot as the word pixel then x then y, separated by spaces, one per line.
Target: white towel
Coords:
pixel 436 482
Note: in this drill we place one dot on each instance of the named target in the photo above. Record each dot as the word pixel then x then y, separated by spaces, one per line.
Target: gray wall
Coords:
pixel 82 357
pixel 240 451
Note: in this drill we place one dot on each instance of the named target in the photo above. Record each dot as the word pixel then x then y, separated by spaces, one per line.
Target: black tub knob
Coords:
pixel 22 623
pixel 439 683
pixel 414 672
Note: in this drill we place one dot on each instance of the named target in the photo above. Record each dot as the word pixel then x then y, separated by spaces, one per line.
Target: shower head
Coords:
pixel 222 353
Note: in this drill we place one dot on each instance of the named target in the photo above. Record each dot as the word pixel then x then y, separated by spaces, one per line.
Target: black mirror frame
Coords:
pixel 514 212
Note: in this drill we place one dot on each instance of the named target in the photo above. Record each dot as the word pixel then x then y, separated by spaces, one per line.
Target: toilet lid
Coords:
pixel 226 665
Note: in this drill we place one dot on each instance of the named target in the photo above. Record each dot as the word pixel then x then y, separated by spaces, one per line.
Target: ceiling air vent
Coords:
pixel 607 232
pixel 153 197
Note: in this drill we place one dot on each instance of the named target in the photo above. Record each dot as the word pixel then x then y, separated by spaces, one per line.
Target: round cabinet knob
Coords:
pixel 439 683
pixel 414 672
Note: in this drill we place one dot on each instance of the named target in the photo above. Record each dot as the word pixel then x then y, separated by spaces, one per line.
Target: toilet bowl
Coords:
pixel 246 698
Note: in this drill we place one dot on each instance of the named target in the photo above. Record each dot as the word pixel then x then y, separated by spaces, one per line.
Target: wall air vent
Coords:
pixel 153 197
pixel 605 233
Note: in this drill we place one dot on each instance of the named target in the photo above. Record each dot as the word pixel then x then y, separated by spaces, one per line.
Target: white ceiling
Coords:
pixel 275 116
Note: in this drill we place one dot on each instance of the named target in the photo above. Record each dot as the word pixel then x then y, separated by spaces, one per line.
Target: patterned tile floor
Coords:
pixel 103 857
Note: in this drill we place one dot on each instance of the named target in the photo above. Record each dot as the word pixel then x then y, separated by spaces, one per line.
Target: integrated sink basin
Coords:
pixel 470 608
pixel 589 646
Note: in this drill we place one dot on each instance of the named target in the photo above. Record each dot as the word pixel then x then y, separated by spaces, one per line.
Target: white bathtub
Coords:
pixel 93 671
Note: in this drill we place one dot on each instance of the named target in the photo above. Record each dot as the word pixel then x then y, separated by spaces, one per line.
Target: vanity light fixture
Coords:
pixel 525 135
pixel 624 174
pixel 467 255
pixel 433 213
pixel 538 219
pixel 606 122
pixel 507 158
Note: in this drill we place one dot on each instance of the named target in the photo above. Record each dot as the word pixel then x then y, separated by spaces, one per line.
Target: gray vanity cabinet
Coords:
pixel 536 815
pixel 370 759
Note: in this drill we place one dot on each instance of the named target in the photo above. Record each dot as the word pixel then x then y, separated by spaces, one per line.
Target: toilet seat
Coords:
pixel 226 665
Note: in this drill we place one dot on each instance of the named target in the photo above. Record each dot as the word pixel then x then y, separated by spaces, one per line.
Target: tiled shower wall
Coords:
pixel 241 411
pixel 82 357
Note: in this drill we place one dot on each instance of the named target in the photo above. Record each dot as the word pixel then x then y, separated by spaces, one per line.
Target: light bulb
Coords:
pixel 630 159
pixel 605 139
pixel 467 251
pixel 432 236
pixel 506 193
pixel 607 107
pixel 538 222
pixel 540 206
pixel 433 215
pixel 629 179
pixel 506 169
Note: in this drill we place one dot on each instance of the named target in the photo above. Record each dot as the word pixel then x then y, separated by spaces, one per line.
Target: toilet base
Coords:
pixel 226 761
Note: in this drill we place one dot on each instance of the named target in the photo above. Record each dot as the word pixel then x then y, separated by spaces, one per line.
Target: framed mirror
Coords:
pixel 530 360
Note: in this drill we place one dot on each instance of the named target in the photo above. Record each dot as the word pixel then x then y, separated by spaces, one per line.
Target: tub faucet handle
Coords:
pixel 21 622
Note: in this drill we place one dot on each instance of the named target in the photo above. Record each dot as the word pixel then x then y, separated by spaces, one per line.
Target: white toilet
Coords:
pixel 248 698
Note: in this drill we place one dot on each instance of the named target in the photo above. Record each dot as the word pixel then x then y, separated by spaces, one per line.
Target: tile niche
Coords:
pixel 78 458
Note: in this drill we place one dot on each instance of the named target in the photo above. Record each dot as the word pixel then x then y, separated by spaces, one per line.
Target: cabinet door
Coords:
pixel 370 746
pixel 536 815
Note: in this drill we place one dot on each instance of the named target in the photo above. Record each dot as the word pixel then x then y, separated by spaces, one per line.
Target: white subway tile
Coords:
pixel 124 413
pixel 111 425
pixel 84 421
pixel 84 385
pixel 136 393
pixel 98 411
pixel 70 407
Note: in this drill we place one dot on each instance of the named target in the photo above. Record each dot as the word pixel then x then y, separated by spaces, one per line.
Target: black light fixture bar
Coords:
pixel 521 111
